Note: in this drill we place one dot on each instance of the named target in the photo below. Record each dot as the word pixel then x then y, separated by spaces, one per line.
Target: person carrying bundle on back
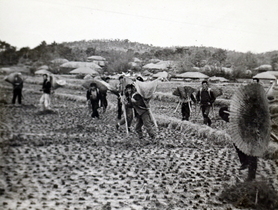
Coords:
pixel 186 95
pixel 93 97
pixel 206 99
pixel 17 89
pixel 128 108
pixel 142 112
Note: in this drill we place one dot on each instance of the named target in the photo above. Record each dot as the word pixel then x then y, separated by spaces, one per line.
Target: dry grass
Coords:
pixel 201 131
pixel 251 195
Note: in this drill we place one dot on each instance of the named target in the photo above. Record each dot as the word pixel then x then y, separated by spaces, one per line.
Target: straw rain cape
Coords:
pixel 250 120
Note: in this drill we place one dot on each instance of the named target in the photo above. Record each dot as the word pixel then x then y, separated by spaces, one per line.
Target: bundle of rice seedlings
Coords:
pixel 57 82
pixel 184 91
pixel 101 85
pixel 11 77
pixel 201 131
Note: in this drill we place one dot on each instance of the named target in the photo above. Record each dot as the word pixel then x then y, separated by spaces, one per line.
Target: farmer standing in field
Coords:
pixel 129 90
pixel 17 89
pixel 206 99
pixel 46 88
pixel 143 115
pixel 186 96
pixel 93 97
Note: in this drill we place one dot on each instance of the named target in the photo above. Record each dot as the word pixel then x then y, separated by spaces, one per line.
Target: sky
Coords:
pixel 240 25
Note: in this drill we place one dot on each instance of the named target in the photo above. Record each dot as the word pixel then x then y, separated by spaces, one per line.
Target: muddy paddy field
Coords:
pixel 64 159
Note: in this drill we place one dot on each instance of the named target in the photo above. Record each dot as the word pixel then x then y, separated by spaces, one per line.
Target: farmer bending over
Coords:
pixel 143 115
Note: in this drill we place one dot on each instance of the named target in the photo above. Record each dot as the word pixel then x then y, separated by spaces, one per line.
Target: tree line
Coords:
pixel 119 54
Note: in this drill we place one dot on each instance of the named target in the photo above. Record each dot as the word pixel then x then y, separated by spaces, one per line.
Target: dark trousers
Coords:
pixel 95 107
pixel 120 111
pixel 250 161
pixel 104 103
pixel 185 111
pixel 146 121
pixel 17 93
pixel 205 112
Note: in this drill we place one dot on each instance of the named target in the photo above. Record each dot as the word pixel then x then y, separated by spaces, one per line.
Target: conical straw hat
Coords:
pixel 250 119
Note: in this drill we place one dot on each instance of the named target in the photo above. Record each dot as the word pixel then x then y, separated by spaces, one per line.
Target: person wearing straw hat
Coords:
pixel 143 115
pixel 206 99
pixel 249 125
pixel 247 161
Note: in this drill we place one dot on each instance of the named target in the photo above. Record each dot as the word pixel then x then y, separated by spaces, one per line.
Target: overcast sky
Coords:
pixel 241 25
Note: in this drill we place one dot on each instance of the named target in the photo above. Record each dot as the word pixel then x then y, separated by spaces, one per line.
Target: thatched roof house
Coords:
pixel 59 61
pixel 218 79
pixel 42 72
pixel 265 76
pixel 161 65
pixel 264 67
pixel 85 70
pixel 96 58
pixel 191 75
pixel 162 74
pixel 69 66
pixel 275 73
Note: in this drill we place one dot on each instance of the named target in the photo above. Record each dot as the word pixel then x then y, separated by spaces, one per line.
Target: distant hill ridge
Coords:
pixel 125 45
pixel 111 44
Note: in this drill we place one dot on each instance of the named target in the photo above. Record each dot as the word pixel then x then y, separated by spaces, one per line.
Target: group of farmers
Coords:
pixel 17 82
pixel 132 103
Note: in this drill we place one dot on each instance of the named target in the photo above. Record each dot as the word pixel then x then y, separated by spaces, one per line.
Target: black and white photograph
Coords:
pixel 138 105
